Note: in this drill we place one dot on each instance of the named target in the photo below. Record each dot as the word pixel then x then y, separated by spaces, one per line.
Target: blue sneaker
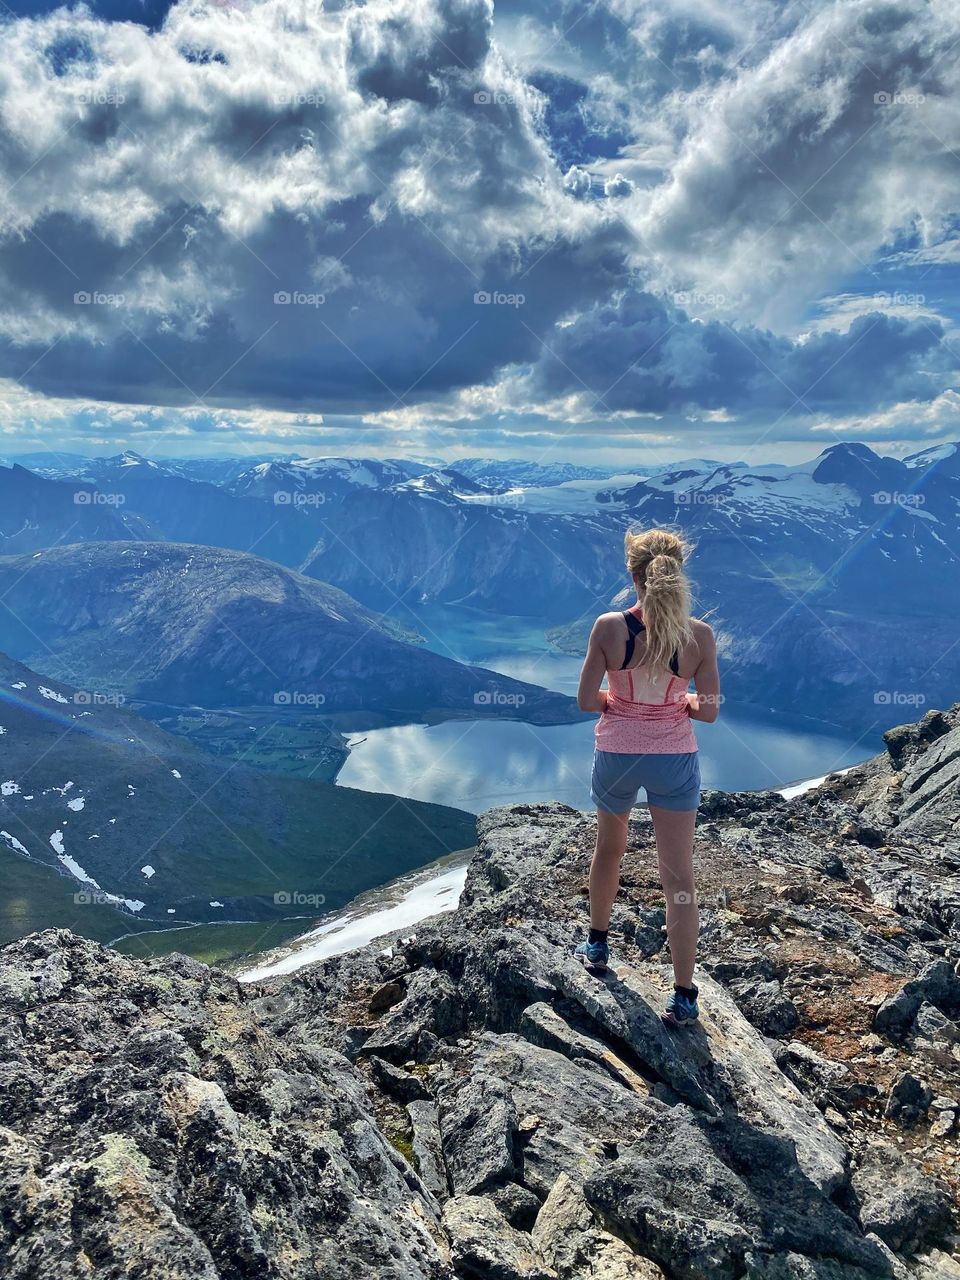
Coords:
pixel 681 1011
pixel 594 956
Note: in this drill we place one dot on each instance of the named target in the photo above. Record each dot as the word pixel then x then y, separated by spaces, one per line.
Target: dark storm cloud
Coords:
pixel 643 354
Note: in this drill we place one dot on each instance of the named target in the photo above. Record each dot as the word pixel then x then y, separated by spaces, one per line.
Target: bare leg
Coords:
pixel 674 832
pixel 605 868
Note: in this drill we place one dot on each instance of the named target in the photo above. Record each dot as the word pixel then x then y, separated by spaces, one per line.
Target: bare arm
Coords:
pixel 705 703
pixel 590 697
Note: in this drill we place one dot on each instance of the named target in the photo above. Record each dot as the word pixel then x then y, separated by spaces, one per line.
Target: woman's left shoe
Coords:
pixel 594 956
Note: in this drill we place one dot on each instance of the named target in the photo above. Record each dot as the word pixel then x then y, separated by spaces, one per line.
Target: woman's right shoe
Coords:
pixel 594 956
pixel 681 1011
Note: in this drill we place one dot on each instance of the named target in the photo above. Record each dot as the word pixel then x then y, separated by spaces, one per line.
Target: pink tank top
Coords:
pixel 646 714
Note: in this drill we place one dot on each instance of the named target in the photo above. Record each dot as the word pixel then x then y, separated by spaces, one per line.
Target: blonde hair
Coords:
pixel 655 559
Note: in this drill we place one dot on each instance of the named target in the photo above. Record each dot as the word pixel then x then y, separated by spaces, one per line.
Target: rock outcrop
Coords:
pixel 466 1101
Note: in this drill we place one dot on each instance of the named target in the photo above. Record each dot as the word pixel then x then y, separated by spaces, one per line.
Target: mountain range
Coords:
pixel 828 582
pixel 38 512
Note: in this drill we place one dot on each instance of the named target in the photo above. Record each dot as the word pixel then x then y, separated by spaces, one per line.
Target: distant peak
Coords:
pixel 853 449
pixel 130 458
pixel 936 453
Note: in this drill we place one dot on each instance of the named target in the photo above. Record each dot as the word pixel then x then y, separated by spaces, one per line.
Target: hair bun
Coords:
pixel 663 569
pixel 664 543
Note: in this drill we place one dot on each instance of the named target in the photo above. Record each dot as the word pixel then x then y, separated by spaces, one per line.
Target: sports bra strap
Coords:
pixel 635 628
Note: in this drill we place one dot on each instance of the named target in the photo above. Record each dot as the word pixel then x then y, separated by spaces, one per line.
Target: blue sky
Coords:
pixel 440 227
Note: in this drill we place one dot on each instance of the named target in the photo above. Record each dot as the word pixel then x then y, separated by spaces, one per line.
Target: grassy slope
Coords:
pixel 211 830
pixel 34 896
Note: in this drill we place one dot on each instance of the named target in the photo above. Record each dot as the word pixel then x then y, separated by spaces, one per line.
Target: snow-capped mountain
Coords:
pixel 499 474
pixel 943 457
pixel 321 479
pixel 512 473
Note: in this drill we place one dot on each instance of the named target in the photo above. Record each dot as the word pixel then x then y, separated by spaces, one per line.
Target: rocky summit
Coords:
pixel 466 1101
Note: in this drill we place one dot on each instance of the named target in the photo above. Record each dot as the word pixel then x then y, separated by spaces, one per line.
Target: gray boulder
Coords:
pixel 905 1207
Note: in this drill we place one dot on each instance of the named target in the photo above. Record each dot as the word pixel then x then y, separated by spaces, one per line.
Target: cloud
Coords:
pixel 375 168
pixel 642 353
pixel 618 185
pixel 409 212
pixel 813 162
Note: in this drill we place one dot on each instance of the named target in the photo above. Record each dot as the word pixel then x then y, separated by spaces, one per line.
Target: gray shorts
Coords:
pixel 671 781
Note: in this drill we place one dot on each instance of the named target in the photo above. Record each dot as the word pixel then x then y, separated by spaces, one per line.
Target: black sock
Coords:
pixel 689 992
pixel 598 935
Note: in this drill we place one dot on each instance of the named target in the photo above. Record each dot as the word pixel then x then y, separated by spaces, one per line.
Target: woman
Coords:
pixel 649 654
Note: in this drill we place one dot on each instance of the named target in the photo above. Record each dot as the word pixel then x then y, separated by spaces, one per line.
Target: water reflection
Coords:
pixel 477 764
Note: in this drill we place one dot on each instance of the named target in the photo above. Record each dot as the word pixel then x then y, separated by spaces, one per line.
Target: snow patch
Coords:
pixel 76 804
pixel 149 871
pixel 352 929
pixel 9 788
pixel 799 788
pixel 75 869
pixel 51 694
